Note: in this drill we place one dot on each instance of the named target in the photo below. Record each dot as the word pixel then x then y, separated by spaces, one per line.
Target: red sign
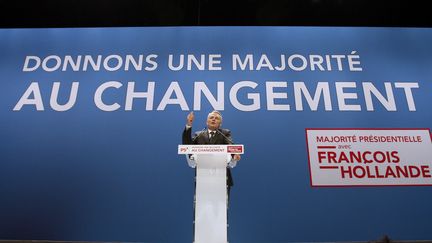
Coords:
pixel 235 149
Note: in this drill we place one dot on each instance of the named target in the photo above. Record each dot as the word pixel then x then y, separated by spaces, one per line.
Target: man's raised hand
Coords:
pixel 190 118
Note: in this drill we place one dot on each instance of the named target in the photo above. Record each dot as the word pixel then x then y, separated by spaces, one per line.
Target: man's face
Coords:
pixel 214 121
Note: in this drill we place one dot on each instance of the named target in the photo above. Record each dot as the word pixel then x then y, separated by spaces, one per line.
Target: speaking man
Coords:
pixel 212 134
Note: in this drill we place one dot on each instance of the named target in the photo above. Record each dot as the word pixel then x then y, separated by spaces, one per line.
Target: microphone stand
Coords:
pixel 227 138
pixel 199 134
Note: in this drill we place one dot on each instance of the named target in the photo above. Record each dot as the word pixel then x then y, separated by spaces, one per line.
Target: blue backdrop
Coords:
pixel 92 175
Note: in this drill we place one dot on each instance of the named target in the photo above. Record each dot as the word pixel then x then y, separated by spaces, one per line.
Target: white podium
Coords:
pixel 211 190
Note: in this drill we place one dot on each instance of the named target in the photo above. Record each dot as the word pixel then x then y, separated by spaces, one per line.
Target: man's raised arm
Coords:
pixel 187 132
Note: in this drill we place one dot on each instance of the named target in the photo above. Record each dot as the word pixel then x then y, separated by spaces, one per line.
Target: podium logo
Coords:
pixel 234 149
pixel 183 149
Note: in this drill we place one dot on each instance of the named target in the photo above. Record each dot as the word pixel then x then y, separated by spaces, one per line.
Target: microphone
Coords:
pixel 199 134
pixel 229 139
pixel 230 165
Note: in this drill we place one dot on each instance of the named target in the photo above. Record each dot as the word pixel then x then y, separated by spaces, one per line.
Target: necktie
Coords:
pixel 211 135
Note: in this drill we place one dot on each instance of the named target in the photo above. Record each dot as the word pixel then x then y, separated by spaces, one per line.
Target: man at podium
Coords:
pixel 212 134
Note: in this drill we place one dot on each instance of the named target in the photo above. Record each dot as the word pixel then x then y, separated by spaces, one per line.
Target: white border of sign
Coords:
pixel 344 157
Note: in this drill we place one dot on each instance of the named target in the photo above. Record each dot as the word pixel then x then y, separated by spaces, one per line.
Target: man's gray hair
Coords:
pixel 217 112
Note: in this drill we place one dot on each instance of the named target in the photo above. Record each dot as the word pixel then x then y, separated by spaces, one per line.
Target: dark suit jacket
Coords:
pixel 202 137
